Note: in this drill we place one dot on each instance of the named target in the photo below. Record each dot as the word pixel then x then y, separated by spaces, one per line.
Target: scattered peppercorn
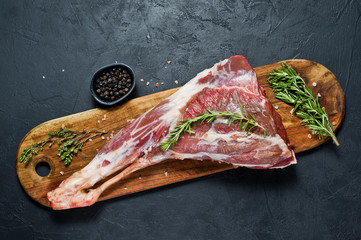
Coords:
pixel 113 84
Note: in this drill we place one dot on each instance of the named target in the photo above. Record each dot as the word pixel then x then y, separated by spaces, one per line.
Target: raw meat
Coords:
pixel 226 86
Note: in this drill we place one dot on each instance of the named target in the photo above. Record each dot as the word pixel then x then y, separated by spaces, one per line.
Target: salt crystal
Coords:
pixel 176 81
pixel 166 173
pixel 165 67
pixel 63 70
pixel 98 121
pixel 140 177
pixel 148 36
pixel 125 188
pixel 90 140
pixel 162 83
pixel 43 76
pixel 142 79
pixel 61 173
pixel 309 136
pixel 319 95
pixel 314 84
pixel 291 111
pixel 116 61
pixel 147 83
pixel 105 117
pixel 103 137
pixel 276 107
pixel 169 62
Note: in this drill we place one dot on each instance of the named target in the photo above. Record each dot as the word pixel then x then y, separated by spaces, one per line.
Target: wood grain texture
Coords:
pixel 171 171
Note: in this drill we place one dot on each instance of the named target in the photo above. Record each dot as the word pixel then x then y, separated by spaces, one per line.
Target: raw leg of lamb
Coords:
pixel 229 85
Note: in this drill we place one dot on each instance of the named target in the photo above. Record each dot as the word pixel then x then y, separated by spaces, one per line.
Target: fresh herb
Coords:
pixel 289 87
pixel 69 141
pixel 186 125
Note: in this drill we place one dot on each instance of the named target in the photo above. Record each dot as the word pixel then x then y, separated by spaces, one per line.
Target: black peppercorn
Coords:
pixel 113 84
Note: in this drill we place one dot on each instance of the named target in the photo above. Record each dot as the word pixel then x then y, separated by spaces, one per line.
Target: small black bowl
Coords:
pixel 106 69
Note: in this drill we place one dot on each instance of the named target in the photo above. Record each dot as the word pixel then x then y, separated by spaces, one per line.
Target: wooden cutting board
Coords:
pixel 318 78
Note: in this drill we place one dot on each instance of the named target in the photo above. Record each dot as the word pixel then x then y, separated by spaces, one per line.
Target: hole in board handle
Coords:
pixel 42 169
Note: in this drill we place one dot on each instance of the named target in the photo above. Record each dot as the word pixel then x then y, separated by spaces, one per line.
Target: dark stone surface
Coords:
pixel 320 198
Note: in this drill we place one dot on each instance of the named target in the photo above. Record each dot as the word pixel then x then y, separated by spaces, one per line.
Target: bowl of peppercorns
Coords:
pixel 112 83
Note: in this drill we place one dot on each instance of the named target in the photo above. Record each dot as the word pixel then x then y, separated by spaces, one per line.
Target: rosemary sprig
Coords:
pixel 208 117
pixel 289 87
pixel 69 141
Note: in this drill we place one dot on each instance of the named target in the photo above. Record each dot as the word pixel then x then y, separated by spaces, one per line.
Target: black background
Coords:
pixel 320 198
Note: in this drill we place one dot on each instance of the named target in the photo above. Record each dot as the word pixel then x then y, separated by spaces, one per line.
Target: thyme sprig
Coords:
pixel 208 117
pixel 69 141
pixel 289 87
